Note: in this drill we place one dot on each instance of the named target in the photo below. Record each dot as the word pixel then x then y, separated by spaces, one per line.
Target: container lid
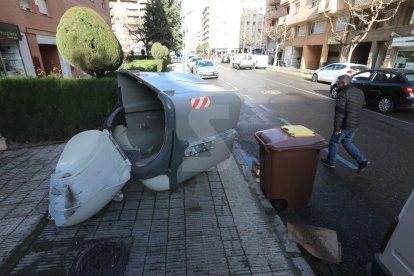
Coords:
pixel 278 139
pixel 298 131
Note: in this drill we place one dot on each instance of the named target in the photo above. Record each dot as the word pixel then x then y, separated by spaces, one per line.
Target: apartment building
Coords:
pixel 127 15
pixel 221 25
pixel 192 16
pixel 251 25
pixel 28 35
pixel 275 15
pixel 312 45
pixel 388 44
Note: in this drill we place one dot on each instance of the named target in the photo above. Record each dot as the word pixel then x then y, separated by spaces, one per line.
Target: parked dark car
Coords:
pixel 387 89
pixel 225 59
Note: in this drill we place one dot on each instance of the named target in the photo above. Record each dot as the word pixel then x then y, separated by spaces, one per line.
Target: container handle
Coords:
pixel 260 140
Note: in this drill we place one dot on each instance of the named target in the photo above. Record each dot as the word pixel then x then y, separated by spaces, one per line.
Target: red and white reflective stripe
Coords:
pixel 200 103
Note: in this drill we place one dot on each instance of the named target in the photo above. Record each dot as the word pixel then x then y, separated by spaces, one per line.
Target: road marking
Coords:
pixel 227 83
pixel 385 116
pixel 250 98
pixel 343 160
pixel 270 92
pixel 285 121
pixel 330 98
pixel 300 89
pixel 235 88
pixel 265 108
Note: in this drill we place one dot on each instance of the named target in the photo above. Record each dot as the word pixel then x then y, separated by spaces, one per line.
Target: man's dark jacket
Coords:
pixel 348 108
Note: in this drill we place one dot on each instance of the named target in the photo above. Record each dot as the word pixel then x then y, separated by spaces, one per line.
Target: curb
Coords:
pixel 291 248
pixel 296 73
pixel 10 261
pixel 3 143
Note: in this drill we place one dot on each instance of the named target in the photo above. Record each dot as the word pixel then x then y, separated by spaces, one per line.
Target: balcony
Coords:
pixel 273 2
pixel 331 6
pixel 273 14
pixel 284 3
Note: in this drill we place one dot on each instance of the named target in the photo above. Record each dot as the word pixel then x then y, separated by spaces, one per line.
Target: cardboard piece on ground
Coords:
pixel 320 242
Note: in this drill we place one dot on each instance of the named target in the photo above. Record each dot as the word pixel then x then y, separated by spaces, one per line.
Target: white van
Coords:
pixel 243 61
pixel 397 254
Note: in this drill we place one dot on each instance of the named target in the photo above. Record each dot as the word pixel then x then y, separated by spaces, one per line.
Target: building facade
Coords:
pixel 275 15
pixel 127 15
pixel 388 44
pixel 28 35
pixel 251 25
pixel 192 25
pixel 221 26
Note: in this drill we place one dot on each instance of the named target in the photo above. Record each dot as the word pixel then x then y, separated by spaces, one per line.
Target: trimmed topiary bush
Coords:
pixel 50 109
pixel 157 50
pixel 165 51
pixel 86 41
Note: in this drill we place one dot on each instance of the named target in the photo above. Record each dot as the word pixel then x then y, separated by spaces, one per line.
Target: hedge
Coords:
pixel 153 65
pixel 50 109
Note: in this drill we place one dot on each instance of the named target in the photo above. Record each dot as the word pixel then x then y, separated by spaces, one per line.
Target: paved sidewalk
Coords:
pixel 290 70
pixel 216 223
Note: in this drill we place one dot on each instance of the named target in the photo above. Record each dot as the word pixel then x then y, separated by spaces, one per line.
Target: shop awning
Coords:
pixel 403 41
pixel 9 32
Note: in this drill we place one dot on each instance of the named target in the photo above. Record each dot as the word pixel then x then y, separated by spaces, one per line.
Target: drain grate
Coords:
pixel 103 257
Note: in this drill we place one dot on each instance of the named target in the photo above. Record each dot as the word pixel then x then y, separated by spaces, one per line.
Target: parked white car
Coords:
pixel 243 61
pixel 331 72
pixel 205 69
pixel 192 61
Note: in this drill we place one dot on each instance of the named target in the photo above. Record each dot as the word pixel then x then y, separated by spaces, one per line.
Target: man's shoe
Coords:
pixel 326 162
pixel 362 166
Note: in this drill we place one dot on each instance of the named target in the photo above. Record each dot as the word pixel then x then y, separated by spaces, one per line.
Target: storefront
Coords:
pixel 405 52
pixel 11 61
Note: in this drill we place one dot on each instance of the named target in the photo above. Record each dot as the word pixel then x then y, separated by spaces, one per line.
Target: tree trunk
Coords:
pixel 351 51
pixel 276 52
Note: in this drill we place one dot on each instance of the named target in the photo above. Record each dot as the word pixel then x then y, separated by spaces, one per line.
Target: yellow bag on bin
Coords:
pixel 298 131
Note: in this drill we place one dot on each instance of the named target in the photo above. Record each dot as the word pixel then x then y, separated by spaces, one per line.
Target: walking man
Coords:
pixel 348 111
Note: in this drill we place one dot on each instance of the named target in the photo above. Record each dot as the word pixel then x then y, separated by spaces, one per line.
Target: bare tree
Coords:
pixel 137 29
pixel 363 15
pixel 280 33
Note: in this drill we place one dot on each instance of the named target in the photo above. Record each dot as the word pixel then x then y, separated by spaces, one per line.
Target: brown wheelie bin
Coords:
pixel 288 166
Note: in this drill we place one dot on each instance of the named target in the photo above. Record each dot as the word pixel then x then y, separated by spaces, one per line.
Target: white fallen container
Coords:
pixel 90 172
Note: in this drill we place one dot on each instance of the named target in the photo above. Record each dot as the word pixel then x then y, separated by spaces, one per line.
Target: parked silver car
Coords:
pixel 205 69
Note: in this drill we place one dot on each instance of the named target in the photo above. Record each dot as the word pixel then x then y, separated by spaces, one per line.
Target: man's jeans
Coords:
pixel 345 138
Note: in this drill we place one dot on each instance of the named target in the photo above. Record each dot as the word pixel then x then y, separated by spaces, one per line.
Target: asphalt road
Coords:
pixel 359 207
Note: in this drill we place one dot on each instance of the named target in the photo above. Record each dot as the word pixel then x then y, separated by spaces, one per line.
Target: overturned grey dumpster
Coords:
pixel 172 126
pixel 167 126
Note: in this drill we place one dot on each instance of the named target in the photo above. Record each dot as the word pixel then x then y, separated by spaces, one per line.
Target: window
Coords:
pixel 302 30
pixel 340 23
pixel 42 6
pixel 314 3
pixel 25 5
pixel 318 27
pixel 339 66
pixel 386 77
pixel 365 76
pixel 296 8
pixel 330 67
pixel 405 59
pixel 103 4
